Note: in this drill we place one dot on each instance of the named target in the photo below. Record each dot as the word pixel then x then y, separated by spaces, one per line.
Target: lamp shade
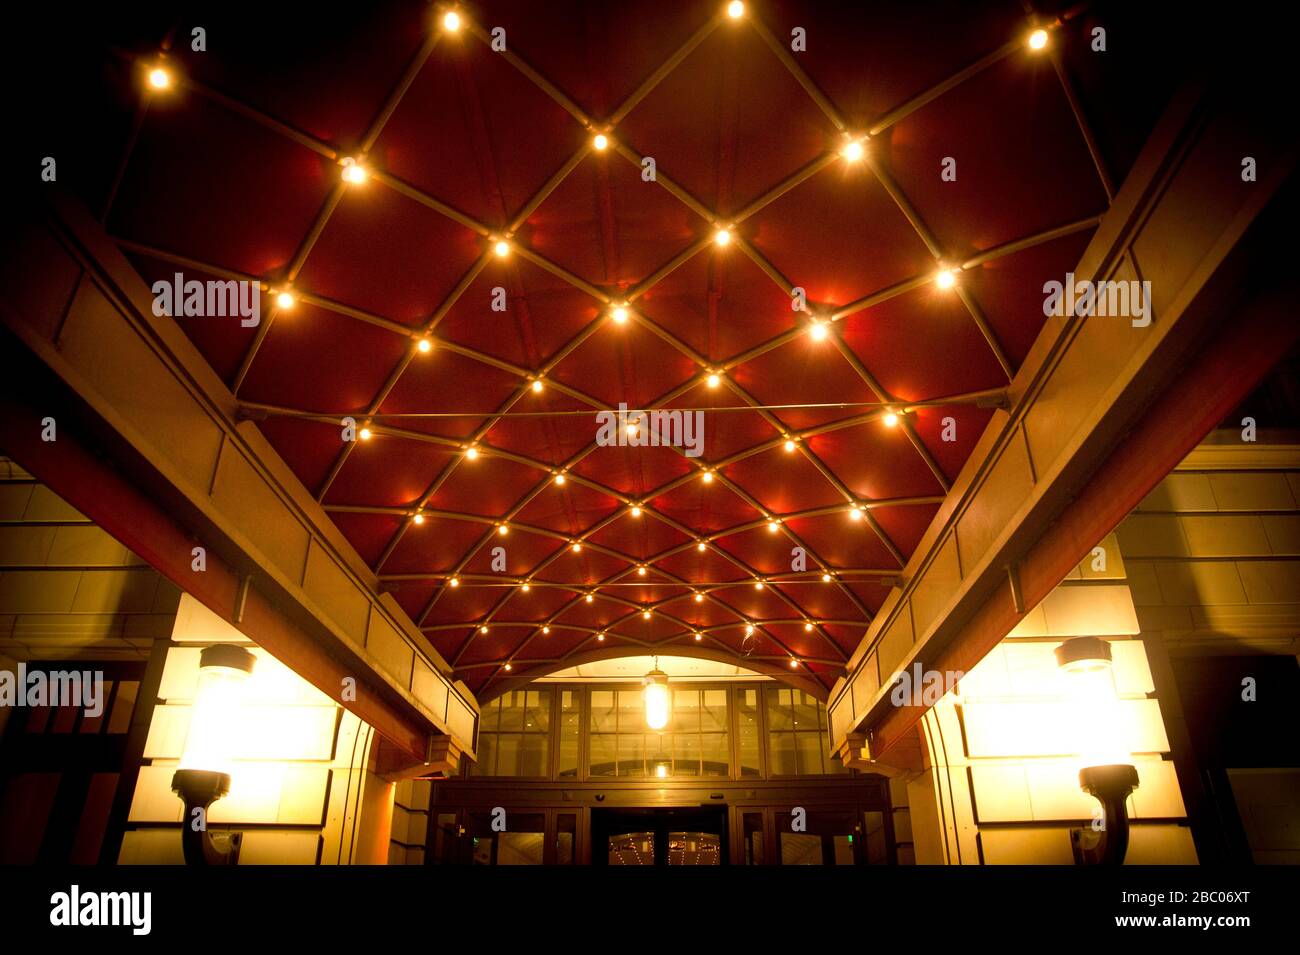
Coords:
pixel 216 718
pixel 1096 718
pixel 658 700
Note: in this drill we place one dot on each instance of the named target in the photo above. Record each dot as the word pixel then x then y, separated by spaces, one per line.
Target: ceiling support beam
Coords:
pixel 1103 407
pixel 149 444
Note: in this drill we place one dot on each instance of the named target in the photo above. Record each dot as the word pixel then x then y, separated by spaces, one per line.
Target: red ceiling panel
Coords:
pixel 236 171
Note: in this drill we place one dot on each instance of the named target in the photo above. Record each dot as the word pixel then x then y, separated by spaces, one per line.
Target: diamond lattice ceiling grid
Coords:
pixel 824 429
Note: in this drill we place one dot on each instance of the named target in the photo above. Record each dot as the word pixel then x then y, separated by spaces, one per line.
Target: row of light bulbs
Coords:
pixel 354 172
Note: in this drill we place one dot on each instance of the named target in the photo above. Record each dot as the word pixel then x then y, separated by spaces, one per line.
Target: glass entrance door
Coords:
pixel 672 837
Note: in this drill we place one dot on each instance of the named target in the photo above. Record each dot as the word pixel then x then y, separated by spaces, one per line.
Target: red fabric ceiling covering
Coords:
pixel 246 183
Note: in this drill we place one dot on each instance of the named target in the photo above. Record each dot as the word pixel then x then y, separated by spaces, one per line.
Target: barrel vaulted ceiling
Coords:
pixel 835 429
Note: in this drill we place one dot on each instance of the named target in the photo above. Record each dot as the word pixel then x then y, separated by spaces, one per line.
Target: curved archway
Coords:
pixel 525 676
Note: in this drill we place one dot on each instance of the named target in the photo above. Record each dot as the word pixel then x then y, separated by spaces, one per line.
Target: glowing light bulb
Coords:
pixel 353 171
pixel 507 667
pixel 503 530
pixel 636 511
pixel 772 526
pixel 577 548
pixel 365 434
pixel 600 637
pixel 537 386
pixel 1038 39
pixel 945 278
pixel 418 519
pixel 546 629
pixel 700 547
pixel 284 300
pixel 424 345
pixel 159 78
pixel 217 717
pixel 818 331
pixel 645 615
pixel 853 151
pixel 658 699
pixel 890 419
pixel 749 629
pixel 855 513
pixel 451 21
pixel 735 9
pixel 619 315
pixel 640 571
pixel 807 628
pixel 502 248
pixel 789 445
pixel 793 663
pixel 471 453
pixel 483 629
pixel 758 585
pixel 699 598
pixel 712 381
pixel 600 142
pixel 708 477
pixel 526 587
pixel 589 598
pixel 722 237
pixel 559 479
pixel 698 637
pixel 455 582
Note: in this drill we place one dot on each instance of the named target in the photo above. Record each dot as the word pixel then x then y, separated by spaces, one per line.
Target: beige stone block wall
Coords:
pixel 1001 782
pixel 301 791
pixel 1214 554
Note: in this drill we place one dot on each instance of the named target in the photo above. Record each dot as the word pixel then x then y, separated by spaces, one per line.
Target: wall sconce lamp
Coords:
pixel 1106 772
pixel 203 776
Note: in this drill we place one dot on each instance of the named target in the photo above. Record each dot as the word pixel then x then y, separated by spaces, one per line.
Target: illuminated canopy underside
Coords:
pixel 235 174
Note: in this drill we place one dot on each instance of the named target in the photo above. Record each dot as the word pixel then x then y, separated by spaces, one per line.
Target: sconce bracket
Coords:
pixel 1111 785
pixel 199 789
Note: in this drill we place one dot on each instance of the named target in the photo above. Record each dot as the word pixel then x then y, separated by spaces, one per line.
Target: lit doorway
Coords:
pixel 668 837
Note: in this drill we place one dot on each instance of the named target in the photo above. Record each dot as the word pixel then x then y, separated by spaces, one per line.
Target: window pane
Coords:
pixel 487 751
pixel 778 709
pixel 602 711
pixel 538 717
pixel 631 756
pixel 569 714
pixel 713 717
pixel 801 848
pixel 566 828
pixel 753 838
pixel 631 711
pixel 805 711
pixel 713 752
pixel 747 703
pixel 809 746
pixel 508 754
pixel 843 850
pixel 532 755
pixel 512 710
pixel 519 848
pixel 686 711
pixel 781 757
pixel 686 754
pixel 522 843
pixel 603 752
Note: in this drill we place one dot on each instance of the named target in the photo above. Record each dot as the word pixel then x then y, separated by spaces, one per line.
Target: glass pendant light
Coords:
pixel 658 698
